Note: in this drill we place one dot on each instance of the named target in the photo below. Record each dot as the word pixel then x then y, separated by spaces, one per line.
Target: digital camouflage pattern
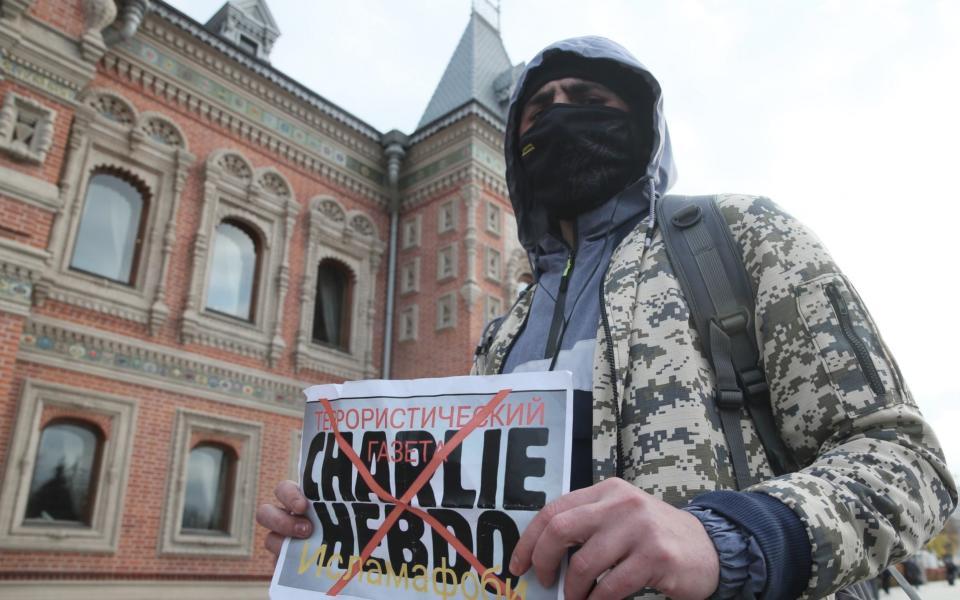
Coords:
pixel 874 487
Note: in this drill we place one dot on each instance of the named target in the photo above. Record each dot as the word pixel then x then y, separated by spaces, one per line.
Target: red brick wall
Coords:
pixel 437 353
pixel 11 326
pixel 24 223
pixel 149 475
pixel 50 169
pixel 203 138
pixel 445 352
pixel 65 15
pixel 53 412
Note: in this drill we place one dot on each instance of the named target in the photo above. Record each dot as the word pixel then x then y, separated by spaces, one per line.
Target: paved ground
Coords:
pixel 938 590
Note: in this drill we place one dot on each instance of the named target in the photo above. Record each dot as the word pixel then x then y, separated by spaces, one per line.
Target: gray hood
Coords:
pixel 643 94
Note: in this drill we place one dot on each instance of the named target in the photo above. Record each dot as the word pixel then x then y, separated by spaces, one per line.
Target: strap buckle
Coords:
pixel 754 382
pixel 729 398
pixel 733 323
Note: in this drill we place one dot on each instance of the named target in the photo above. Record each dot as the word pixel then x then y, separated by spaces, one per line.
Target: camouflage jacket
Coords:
pixel 873 487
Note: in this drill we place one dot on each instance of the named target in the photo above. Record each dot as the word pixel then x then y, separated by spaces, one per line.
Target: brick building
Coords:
pixel 188 237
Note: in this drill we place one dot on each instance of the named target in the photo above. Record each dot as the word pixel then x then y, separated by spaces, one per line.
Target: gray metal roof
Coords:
pixel 258 11
pixel 479 70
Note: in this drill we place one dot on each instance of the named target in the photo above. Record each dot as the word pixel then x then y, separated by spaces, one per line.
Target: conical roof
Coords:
pixel 478 70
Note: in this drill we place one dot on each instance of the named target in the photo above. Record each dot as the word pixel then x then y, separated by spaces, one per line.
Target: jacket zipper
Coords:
pixel 859 347
pixel 557 324
pixel 613 372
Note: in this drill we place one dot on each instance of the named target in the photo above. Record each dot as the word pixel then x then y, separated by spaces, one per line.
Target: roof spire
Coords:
pixel 489 10
pixel 479 70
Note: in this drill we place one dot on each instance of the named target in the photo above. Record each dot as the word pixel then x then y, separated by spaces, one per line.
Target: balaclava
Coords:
pixel 576 157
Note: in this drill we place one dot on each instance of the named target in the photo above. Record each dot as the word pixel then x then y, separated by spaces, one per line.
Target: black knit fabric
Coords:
pixel 778 531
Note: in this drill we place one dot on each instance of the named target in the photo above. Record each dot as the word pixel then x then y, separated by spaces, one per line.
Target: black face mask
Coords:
pixel 576 157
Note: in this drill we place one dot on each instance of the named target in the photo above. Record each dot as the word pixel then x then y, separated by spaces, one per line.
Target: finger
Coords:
pixel 273 543
pixel 590 561
pixel 623 580
pixel 523 551
pixel 289 494
pixel 567 529
pixel 279 521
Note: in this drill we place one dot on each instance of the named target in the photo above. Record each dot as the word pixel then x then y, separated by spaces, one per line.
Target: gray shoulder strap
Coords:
pixel 707 262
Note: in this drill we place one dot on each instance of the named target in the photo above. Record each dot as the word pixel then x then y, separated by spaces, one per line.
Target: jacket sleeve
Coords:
pixel 873 487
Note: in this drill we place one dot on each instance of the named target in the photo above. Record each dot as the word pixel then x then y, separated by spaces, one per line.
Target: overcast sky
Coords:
pixel 845 113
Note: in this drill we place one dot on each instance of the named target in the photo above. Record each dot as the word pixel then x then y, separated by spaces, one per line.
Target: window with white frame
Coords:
pixel 342 253
pixel 410 276
pixel 410 237
pixel 122 179
pixel 63 485
pixel 110 233
pixel 231 286
pixel 409 323
pixel 494 263
pixel 494 308
pixel 64 492
pixel 447 262
pixel 447 311
pixel 493 218
pixel 208 495
pixel 26 128
pixel 332 304
pixel 447 217
pixel 241 246
pixel 212 491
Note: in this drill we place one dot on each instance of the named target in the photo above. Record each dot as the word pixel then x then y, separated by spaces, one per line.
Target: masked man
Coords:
pixel 655 507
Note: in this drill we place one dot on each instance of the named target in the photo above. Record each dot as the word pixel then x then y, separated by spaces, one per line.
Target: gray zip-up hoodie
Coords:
pixel 574 309
pixel 574 305
pixel 598 231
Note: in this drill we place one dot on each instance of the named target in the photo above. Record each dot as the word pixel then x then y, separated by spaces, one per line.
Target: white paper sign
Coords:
pixel 421 488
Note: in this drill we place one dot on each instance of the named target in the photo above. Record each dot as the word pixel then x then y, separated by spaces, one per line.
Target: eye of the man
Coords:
pixel 534 112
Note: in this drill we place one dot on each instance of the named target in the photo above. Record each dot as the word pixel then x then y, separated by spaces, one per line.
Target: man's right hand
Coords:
pixel 282 521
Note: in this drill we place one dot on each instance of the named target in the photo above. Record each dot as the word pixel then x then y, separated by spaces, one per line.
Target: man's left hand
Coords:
pixel 631 538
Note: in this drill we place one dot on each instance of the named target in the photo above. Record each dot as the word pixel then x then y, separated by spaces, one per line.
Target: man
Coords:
pixel 655 506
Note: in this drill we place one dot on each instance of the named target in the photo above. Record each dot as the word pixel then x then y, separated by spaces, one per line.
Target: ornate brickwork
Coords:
pixel 205 133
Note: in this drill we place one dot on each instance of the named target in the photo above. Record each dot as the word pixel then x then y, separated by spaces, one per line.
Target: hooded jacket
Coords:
pixel 597 231
pixel 873 487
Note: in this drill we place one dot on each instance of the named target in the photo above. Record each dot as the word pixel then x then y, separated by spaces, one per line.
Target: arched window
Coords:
pixel 63 487
pixel 231 289
pixel 208 499
pixel 110 232
pixel 331 311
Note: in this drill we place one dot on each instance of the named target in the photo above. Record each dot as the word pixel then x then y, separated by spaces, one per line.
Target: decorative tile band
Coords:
pixel 255 112
pixel 457 156
pixel 16 290
pixel 492 160
pixel 114 356
pixel 478 152
pixel 27 73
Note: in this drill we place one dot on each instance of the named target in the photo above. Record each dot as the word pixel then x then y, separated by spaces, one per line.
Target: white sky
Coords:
pixel 845 113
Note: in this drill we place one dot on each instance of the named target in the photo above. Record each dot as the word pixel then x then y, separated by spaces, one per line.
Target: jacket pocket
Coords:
pixel 847 344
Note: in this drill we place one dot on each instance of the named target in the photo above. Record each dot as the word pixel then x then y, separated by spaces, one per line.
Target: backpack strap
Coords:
pixel 709 266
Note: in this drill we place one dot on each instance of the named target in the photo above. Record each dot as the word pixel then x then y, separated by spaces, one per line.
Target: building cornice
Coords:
pixel 471 170
pixel 328 161
pixel 443 139
pixel 67 345
pixel 470 108
pixel 263 69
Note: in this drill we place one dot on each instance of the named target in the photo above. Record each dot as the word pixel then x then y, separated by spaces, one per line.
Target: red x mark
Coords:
pixel 403 504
